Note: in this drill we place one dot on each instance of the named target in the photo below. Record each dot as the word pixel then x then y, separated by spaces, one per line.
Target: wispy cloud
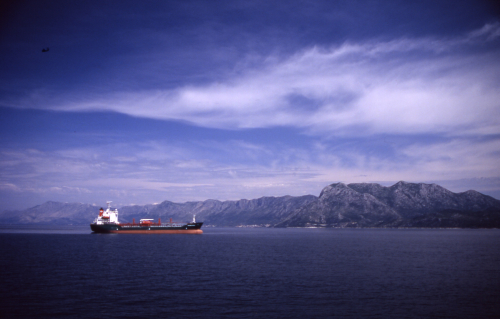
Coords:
pixel 194 114
pixel 489 32
pixel 399 86
pixel 238 169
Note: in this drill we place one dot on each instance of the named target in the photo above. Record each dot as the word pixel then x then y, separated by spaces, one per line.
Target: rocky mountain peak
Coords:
pixel 334 189
pixel 339 205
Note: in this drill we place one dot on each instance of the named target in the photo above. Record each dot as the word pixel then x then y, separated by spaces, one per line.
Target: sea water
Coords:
pixel 68 272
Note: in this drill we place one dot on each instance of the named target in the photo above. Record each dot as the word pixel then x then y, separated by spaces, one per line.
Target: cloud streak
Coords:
pixel 408 86
pixel 242 101
pixel 154 171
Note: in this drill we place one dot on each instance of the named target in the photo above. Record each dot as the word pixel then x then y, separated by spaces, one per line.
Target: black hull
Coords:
pixel 191 228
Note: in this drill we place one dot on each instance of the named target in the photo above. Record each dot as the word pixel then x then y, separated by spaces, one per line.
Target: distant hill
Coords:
pixel 266 211
pixel 52 213
pixel 338 205
pixel 401 205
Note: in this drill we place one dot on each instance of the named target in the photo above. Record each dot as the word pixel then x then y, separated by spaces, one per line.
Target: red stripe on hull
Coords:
pixel 180 231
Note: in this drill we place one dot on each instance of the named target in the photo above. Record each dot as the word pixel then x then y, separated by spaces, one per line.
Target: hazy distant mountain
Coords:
pixel 338 205
pixel 263 211
pixel 52 213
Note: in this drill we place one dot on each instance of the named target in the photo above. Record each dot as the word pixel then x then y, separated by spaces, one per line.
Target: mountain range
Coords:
pixel 338 205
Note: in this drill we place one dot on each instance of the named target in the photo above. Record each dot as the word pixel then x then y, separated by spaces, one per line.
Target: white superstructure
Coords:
pixel 107 216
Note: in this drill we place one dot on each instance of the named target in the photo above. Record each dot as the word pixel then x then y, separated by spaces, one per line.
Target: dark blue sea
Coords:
pixel 250 273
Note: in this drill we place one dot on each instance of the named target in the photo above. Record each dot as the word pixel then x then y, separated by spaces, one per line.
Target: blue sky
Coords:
pixel 141 102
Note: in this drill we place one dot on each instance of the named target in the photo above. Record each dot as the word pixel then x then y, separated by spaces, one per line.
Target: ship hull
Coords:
pixel 193 228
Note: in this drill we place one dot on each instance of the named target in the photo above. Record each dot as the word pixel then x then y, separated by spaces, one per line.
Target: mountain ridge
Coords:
pixel 338 205
pixel 373 205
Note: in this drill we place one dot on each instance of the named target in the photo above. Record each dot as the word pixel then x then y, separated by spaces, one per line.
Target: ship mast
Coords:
pixel 109 209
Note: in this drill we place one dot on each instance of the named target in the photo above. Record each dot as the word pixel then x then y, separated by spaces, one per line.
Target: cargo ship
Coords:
pixel 107 222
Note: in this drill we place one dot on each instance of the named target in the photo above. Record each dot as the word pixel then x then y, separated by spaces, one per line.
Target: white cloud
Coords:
pixel 490 31
pixel 464 158
pixel 237 169
pixel 399 86
pixel 402 87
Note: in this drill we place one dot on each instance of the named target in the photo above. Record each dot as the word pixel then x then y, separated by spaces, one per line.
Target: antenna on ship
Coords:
pixel 194 218
pixel 109 203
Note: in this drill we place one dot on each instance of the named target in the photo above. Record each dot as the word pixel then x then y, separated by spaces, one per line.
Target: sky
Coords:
pixel 142 102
